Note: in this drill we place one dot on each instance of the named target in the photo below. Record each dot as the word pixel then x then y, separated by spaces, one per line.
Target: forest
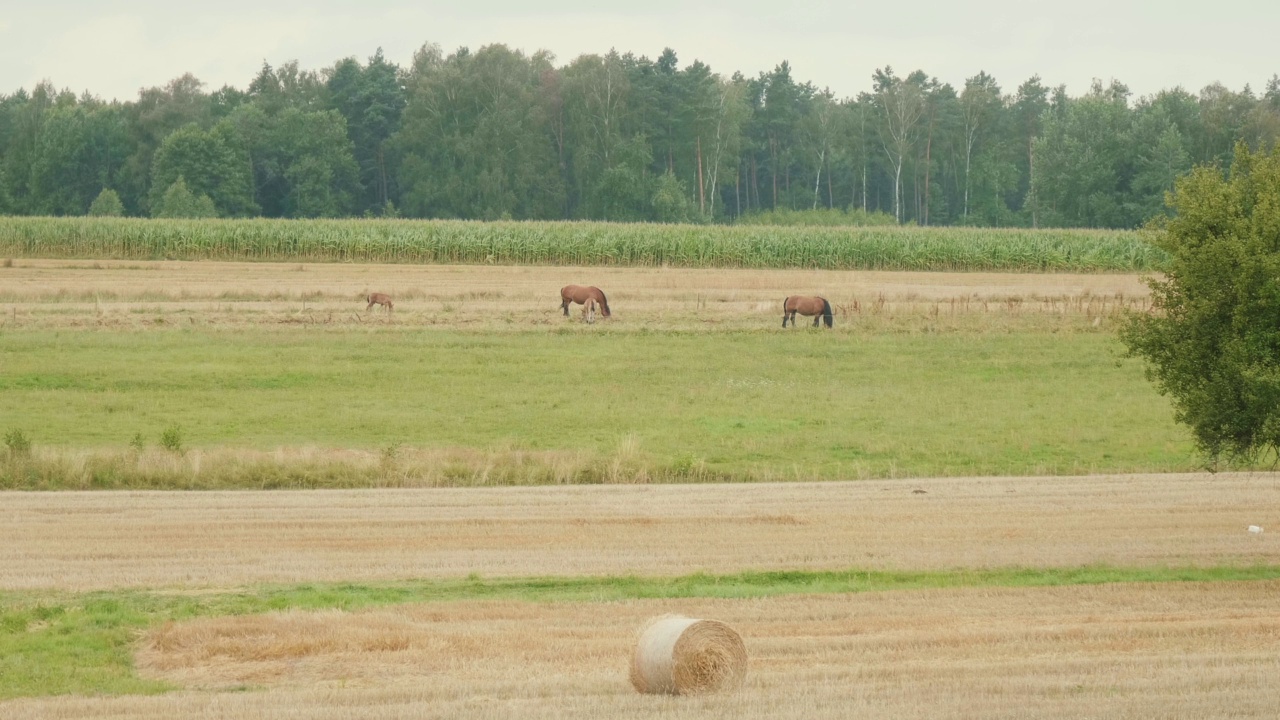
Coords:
pixel 500 134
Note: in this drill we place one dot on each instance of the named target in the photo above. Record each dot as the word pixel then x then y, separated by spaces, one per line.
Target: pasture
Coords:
pixel 276 376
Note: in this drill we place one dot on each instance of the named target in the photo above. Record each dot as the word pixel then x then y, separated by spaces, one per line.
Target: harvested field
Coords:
pixel 1137 651
pixel 66 293
pixel 82 541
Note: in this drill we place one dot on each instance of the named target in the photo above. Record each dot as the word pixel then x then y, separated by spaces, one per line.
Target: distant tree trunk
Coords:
pixel 702 200
pixel 817 181
pixel 773 157
pixel 382 175
pixel 1031 172
pixel 927 166
pixel 915 191
pixel 737 193
pixel 897 192
pixel 968 152
pixel 831 201
pixel 755 184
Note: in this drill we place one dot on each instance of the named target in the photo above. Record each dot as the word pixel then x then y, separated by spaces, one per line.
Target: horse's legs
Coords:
pixel 816 318
pixel 564 305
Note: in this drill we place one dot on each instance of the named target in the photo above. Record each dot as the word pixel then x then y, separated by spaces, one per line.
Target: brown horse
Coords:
pixel 579 294
pixel 379 299
pixel 806 306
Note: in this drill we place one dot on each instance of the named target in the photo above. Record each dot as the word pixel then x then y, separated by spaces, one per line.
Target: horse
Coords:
pixel 806 306
pixel 589 310
pixel 580 294
pixel 379 299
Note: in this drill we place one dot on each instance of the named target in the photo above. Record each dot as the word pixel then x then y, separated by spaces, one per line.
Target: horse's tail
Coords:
pixel 826 312
pixel 604 304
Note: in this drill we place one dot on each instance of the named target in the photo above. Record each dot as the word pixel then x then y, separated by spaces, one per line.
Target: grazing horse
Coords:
pixel 806 306
pixel 589 310
pixel 379 299
pixel 580 294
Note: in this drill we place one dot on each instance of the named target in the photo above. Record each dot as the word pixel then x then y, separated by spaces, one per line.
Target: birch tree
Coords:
pixel 901 104
pixel 979 103
pixel 819 130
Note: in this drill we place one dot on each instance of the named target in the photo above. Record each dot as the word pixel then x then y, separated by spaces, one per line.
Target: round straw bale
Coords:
pixel 685 656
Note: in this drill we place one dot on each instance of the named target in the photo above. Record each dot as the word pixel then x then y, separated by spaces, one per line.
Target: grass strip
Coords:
pixel 55 643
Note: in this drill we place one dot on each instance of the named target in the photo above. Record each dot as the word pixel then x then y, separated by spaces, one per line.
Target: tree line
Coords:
pixel 500 134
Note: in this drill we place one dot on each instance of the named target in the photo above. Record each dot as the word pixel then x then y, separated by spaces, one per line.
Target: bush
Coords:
pixel 179 202
pixel 18 443
pixel 107 204
pixel 1212 342
pixel 171 439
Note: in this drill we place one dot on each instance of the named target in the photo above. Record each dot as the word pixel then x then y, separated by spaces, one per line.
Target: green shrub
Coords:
pixel 18 443
pixel 107 204
pixel 171 439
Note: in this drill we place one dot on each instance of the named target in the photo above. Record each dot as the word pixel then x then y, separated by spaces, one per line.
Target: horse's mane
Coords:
pixel 604 303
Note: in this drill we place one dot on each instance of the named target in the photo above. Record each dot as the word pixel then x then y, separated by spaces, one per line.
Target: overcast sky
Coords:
pixel 114 48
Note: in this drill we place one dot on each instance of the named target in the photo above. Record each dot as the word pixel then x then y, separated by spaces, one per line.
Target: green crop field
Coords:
pixel 580 243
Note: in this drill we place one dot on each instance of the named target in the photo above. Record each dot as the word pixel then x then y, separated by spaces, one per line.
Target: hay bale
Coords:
pixel 686 656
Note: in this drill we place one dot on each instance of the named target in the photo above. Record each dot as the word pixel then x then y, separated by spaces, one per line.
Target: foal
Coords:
pixel 379 299
pixel 580 294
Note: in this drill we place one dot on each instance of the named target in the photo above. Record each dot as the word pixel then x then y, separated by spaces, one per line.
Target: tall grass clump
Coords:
pixel 17 444
pixel 581 243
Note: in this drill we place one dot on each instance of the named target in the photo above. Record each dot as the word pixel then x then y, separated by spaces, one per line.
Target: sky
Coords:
pixel 114 49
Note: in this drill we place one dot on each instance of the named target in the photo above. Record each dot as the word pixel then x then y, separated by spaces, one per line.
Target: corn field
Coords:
pixel 579 243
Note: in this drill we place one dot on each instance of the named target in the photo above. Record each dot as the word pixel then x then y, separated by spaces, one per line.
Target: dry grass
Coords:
pixel 134 294
pixel 79 541
pixel 1134 651
pixel 392 466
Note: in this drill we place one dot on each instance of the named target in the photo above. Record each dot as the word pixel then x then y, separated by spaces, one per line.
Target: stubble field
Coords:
pixel 154 294
pixel 1133 596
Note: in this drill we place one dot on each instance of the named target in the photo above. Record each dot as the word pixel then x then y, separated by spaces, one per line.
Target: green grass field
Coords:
pixel 629 406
